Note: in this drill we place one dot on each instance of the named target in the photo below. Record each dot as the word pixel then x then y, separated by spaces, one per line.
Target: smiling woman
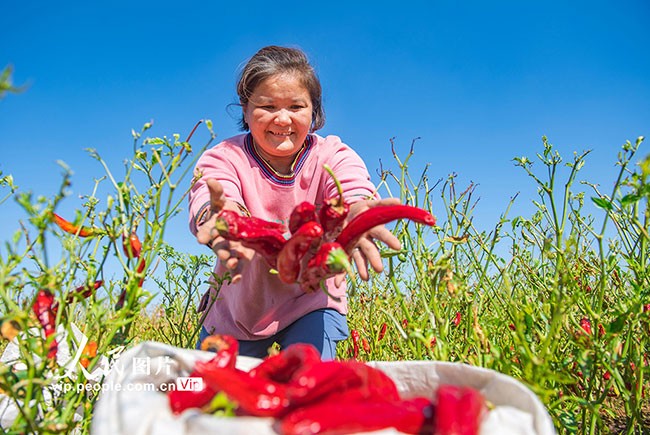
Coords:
pixel 279 115
pixel 266 173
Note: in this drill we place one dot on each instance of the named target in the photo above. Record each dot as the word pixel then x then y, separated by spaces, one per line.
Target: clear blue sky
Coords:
pixel 479 83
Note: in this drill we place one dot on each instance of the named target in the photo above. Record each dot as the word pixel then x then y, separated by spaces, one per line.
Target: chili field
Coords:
pixel 558 299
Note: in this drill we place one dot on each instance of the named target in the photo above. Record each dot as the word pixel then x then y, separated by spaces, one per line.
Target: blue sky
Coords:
pixel 478 82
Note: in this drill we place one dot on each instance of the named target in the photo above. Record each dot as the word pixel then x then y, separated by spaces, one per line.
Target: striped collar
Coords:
pixel 268 171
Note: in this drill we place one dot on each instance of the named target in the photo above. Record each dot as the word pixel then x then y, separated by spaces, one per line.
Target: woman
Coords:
pixel 265 173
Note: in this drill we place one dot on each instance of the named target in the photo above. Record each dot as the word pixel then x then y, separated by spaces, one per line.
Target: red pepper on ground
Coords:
pixel 43 308
pixel 301 214
pixel 290 257
pixel 131 246
pixel 329 260
pixel 265 237
pixel 413 416
pixel 71 228
pixel 459 410
pixel 226 348
pixel 380 215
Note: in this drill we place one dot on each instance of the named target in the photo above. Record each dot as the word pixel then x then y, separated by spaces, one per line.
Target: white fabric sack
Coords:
pixel 130 402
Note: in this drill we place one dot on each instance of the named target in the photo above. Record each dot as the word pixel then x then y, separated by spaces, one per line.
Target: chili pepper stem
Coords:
pixel 339 187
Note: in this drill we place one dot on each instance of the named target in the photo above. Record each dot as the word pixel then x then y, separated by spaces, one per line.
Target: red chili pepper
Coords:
pixel 120 301
pixel 380 215
pixel 340 379
pixel 283 366
pixel 332 216
pixel 141 265
pixel 254 395
pixel 71 228
pixel 265 237
pixel 84 291
pixel 226 348
pixel 43 308
pixel 457 319
pixel 89 352
pixel 413 416
pixel 131 246
pixel 329 260
pixel 301 214
pixel 459 410
pixel 365 345
pixel 355 343
pixel 382 331
pixel 585 324
pixel 290 257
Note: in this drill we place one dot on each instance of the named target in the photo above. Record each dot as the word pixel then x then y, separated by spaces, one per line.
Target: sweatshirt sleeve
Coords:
pixel 351 171
pixel 218 162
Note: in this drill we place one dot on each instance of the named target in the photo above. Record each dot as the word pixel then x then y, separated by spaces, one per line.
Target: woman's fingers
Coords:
pixel 217 199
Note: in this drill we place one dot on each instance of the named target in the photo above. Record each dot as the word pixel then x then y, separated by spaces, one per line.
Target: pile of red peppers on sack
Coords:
pixel 308 396
pixel 319 244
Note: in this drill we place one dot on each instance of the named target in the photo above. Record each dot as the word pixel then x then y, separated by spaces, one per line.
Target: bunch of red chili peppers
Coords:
pixel 319 244
pixel 309 396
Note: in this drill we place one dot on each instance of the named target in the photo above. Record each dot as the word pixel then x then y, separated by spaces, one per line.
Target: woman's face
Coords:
pixel 279 115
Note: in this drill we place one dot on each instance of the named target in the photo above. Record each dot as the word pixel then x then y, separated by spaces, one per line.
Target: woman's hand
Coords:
pixel 232 255
pixel 366 252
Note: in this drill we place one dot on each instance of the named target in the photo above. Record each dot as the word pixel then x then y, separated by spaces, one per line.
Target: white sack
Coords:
pixel 130 403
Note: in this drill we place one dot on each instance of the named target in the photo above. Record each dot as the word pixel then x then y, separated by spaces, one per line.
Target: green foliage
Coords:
pixel 553 299
pixel 141 199
pixel 6 84
pixel 558 300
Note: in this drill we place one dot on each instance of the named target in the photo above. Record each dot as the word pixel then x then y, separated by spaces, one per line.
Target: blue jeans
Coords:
pixel 321 328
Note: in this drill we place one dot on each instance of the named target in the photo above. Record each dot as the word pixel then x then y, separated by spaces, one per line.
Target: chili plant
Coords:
pixel 83 273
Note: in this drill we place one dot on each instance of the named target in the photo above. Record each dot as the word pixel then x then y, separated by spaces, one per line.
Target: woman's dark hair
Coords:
pixel 274 60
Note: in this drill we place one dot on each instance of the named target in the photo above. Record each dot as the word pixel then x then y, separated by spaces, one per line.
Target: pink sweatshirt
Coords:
pixel 260 305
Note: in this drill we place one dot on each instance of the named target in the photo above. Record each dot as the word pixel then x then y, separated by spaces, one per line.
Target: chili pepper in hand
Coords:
pixel 290 257
pixel 459 410
pixel 413 416
pixel 226 348
pixel 334 211
pixel 131 246
pixel 43 308
pixel 71 228
pixel 329 260
pixel 380 215
pixel 301 214
pixel 264 237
